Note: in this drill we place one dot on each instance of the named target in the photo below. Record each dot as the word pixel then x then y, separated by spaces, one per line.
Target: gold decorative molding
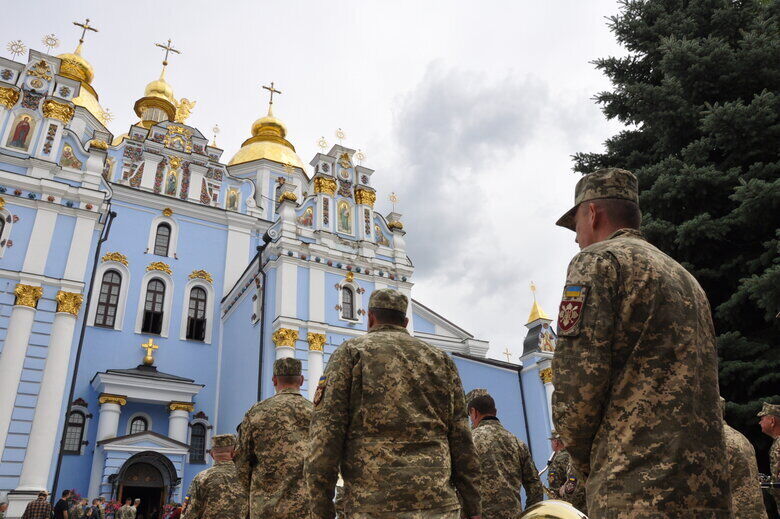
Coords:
pixel 159 265
pixel 59 111
pixel 201 274
pixel 285 337
pixel 316 341
pixel 115 256
pixel 167 211
pixel 546 375
pixel 175 163
pixel 181 406
pixel 8 97
pixel 288 195
pixel 27 295
pixel 41 70
pixel 364 196
pixel 325 185
pixel 107 398
pixel 350 276
pixel 395 225
pixel 2 202
pixel 97 143
pixel 69 302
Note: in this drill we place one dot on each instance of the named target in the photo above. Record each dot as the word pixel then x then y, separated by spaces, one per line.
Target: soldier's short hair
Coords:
pixel 484 404
pixel 387 316
pixel 625 213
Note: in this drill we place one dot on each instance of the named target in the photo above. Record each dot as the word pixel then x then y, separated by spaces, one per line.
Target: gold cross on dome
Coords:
pixel 273 91
pixel 84 28
pixel 393 199
pixel 533 289
pixel 168 49
pixel 149 347
pixel 508 355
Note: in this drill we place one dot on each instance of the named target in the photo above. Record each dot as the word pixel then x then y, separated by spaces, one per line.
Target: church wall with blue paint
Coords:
pixel 147 286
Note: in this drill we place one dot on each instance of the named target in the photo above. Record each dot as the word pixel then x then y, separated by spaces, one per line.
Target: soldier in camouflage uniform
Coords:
pixel 126 510
pixel 635 367
pixel 746 499
pixel 505 462
pixel 216 493
pixel 770 425
pixel 272 444
pixel 389 412
pixel 558 466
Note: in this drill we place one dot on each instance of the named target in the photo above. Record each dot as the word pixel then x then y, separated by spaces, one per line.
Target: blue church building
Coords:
pixel 147 285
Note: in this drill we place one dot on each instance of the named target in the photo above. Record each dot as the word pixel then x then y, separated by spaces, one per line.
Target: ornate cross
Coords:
pixel 533 289
pixel 84 28
pixel 273 91
pixel 168 49
pixel 505 352
pixel 149 347
pixel 393 199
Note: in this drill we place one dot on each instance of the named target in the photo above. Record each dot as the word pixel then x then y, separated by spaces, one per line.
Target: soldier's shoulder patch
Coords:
pixel 570 311
pixel 320 392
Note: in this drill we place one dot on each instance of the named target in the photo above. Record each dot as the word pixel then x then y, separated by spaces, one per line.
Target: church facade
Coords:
pixel 147 285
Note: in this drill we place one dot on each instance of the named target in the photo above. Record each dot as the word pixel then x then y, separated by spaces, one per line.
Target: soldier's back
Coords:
pixel 278 428
pixel 506 465
pixel 659 447
pixel 397 455
pixel 216 493
pixel 747 501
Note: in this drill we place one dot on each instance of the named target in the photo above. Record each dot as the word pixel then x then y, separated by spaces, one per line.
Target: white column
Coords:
pixel 179 420
pixel 286 288
pixel 43 435
pixel 40 241
pixel 284 340
pixel 83 235
pixel 315 364
pixel 108 421
pixel 545 373
pixel 14 351
pixel 317 295
pixel 150 171
pixel 96 474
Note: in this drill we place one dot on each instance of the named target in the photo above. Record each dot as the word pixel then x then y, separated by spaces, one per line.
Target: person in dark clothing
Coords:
pixel 61 508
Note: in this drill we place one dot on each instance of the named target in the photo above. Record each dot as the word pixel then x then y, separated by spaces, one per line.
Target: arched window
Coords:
pixel 108 299
pixel 196 315
pixel 347 303
pixel 139 424
pixel 74 433
pixel 198 443
pixel 162 239
pixel 153 307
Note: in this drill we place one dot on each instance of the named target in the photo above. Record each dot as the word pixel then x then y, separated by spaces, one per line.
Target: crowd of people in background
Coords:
pixel 72 506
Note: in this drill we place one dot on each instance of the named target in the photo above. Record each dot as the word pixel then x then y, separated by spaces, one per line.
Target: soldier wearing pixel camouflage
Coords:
pixel 273 441
pixel 505 462
pixel 770 425
pixel 390 413
pixel 561 477
pixel 635 367
pixel 215 493
pixel 746 499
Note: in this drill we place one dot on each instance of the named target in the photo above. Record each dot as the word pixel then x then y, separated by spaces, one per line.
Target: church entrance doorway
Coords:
pixel 150 477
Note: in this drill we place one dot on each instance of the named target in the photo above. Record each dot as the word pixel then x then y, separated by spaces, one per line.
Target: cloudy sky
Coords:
pixel 469 114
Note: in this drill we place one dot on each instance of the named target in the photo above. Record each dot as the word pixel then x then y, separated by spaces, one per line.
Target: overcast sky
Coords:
pixel 469 111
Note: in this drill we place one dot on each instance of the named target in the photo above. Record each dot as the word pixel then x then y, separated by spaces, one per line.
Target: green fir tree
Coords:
pixel 699 94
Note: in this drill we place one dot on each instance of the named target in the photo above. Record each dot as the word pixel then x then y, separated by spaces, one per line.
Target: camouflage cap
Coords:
pixel 770 409
pixel 223 440
pixel 474 393
pixel 287 367
pixel 388 299
pixel 602 183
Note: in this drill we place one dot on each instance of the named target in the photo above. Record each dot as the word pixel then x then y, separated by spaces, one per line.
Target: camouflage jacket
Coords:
pixel 390 413
pixel 558 470
pixel 125 512
pixel 746 499
pixel 272 443
pixel 506 465
pixel 636 384
pixel 216 493
pixel 774 467
pixel 573 490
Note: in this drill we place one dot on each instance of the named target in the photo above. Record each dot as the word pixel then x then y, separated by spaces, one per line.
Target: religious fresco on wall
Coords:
pixel 367 221
pixel 108 168
pixel 233 197
pixel 21 132
pixel 69 159
pixel 325 212
pixel 344 217
pixel 170 184
pixel 135 180
pixel 381 239
pixel 49 142
pixel 307 218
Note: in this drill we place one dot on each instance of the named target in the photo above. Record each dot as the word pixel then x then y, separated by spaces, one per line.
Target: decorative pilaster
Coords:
pixel 325 188
pixel 365 198
pixel 284 340
pixel 108 420
pixel 315 361
pixel 14 349
pixel 179 420
pixel 60 111
pixel 69 302
pixel 545 374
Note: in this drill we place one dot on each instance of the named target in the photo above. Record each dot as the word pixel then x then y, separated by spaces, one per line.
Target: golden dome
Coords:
pixel 74 66
pixel 157 104
pixel 161 89
pixel 537 313
pixel 268 142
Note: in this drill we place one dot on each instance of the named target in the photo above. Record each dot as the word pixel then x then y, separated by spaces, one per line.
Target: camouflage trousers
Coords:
pixel 416 514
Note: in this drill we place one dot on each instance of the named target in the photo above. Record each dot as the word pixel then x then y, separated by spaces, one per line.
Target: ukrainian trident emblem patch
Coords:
pixel 570 311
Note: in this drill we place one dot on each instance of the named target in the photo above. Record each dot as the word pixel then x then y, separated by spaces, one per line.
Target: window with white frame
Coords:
pixel 196 315
pixel 153 307
pixel 74 432
pixel 347 303
pixel 162 239
pixel 138 424
pixel 198 443
pixel 108 299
